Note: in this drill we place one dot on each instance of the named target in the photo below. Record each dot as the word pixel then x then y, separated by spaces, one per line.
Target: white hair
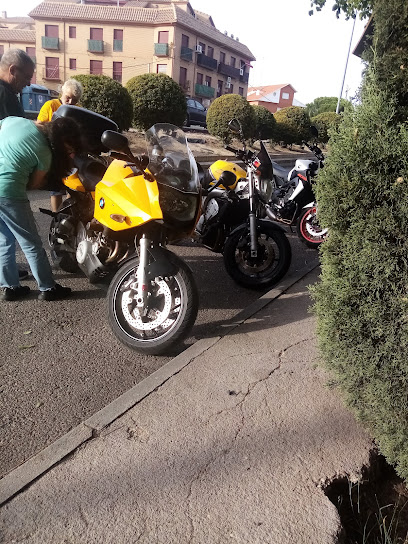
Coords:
pixel 74 87
pixel 18 57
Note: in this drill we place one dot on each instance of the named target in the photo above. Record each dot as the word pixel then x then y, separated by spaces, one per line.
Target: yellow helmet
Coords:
pixel 218 167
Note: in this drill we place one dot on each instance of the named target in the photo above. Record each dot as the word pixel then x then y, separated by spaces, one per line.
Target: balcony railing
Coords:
pixel 51 73
pixel 161 49
pixel 204 90
pixel 95 46
pixel 206 62
pixel 228 70
pixel 49 43
pixel 186 53
pixel 118 45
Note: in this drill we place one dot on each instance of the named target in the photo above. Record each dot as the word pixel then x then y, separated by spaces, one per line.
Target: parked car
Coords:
pixel 196 113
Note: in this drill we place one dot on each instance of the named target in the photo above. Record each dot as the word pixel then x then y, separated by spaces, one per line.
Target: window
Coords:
pixel 200 78
pixel 30 51
pixel 285 96
pixel 184 40
pixel 51 31
pixel 241 91
pixel 117 39
pixel 51 68
pixel 222 57
pixel 208 81
pixel 233 61
pixel 231 89
pixel 183 77
pixel 72 32
pixel 210 52
pixel 161 68
pixel 163 36
pixel 117 71
pixel 219 88
pixel 96 34
pixel 95 67
pixel 72 64
pixel 202 47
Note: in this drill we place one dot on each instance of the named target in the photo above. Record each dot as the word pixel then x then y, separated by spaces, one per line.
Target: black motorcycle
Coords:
pixel 256 252
pixel 293 201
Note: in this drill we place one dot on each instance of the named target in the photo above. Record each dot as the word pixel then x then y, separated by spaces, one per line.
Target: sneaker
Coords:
pixel 14 293
pixel 23 274
pixel 58 292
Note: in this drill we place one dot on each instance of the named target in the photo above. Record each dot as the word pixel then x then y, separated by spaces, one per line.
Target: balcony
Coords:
pixel 118 45
pixel 228 70
pixel 161 49
pixel 51 73
pixel 206 62
pixel 204 90
pixel 95 46
pixel 186 53
pixel 244 78
pixel 49 43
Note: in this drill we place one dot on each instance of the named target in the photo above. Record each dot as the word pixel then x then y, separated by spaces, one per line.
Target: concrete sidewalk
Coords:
pixel 234 447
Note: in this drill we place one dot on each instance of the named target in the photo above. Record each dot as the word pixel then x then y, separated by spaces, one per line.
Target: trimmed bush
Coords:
pixel 361 301
pixel 156 98
pixel 107 97
pixel 292 125
pixel 324 104
pixel 324 122
pixel 225 108
pixel 265 123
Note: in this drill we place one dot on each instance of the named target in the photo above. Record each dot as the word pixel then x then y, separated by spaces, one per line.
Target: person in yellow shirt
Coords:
pixel 71 93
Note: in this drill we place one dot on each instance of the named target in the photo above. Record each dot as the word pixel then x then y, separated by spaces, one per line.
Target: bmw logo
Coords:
pixel 102 203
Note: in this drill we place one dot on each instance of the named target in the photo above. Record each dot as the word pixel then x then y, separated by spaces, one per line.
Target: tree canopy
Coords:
pixel 323 104
pixel 348 7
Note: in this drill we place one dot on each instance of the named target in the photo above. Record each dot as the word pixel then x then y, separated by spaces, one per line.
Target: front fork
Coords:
pixel 253 235
pixel 142 285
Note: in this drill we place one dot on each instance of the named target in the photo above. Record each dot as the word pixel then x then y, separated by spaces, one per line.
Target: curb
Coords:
pixel 21 477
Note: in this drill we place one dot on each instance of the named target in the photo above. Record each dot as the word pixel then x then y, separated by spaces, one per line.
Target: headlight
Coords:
pixel 265 188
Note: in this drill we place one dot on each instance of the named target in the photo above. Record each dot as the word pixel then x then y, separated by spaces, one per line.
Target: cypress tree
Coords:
pixel 362 300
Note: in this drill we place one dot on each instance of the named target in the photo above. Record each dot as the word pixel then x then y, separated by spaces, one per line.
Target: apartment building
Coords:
pixel 125 38
pixel 19 33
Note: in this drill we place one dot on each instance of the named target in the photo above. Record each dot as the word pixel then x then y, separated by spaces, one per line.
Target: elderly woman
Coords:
pixel 29 151
pixel 71 93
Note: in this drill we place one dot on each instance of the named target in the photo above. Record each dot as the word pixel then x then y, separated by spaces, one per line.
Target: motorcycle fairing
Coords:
pixel 122 202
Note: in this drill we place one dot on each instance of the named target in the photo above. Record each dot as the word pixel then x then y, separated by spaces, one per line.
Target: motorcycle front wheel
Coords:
pixel 270 265
pixel 170 312
pixel 308 228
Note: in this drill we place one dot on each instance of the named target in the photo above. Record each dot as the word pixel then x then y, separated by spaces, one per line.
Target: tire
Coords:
pixel 308 228
pixel 175 308
pixel 272 263
pixel 65 260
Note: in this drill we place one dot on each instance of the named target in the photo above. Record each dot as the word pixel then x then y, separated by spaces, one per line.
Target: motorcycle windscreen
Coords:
pixel 266 167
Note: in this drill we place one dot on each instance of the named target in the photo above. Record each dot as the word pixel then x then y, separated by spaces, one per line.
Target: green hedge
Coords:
pixel 107 97
pixel 225 108
pixel 292 125
pixel 265 123
pixel 324 122
pixel 156 98
pixel 362 300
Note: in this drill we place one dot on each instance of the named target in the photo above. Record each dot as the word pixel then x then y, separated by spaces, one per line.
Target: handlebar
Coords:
pixel 229 148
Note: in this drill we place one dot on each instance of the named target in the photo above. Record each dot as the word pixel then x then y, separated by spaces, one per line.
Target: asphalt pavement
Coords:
pixel 234 440
pixel 61 362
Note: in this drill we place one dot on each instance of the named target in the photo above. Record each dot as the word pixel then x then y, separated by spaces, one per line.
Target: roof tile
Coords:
pixel 17 35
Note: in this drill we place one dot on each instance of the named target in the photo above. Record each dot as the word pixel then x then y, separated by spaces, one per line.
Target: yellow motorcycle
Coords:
pixel 118 218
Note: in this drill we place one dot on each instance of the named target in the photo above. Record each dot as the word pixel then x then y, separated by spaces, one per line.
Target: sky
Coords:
pixel 309 52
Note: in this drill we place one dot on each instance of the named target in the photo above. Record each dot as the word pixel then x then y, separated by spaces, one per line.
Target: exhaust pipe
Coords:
pixel 273 217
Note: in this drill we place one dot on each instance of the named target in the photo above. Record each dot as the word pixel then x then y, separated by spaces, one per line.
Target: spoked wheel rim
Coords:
pixel 310 228
pixel 163 310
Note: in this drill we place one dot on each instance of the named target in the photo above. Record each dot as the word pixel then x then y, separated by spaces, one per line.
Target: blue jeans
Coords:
pixel 17 223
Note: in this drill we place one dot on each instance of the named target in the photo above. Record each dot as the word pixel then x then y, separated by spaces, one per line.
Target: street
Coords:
pixel 61 363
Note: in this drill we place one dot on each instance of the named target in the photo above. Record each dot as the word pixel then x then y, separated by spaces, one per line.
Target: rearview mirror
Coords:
pixel 116 142
pixel 313 131
pixel 235 126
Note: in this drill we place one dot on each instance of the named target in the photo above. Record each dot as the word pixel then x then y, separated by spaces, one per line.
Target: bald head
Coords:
pixel 16 69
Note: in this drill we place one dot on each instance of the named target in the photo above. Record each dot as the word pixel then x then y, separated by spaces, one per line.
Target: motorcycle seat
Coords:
pixel 90 171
